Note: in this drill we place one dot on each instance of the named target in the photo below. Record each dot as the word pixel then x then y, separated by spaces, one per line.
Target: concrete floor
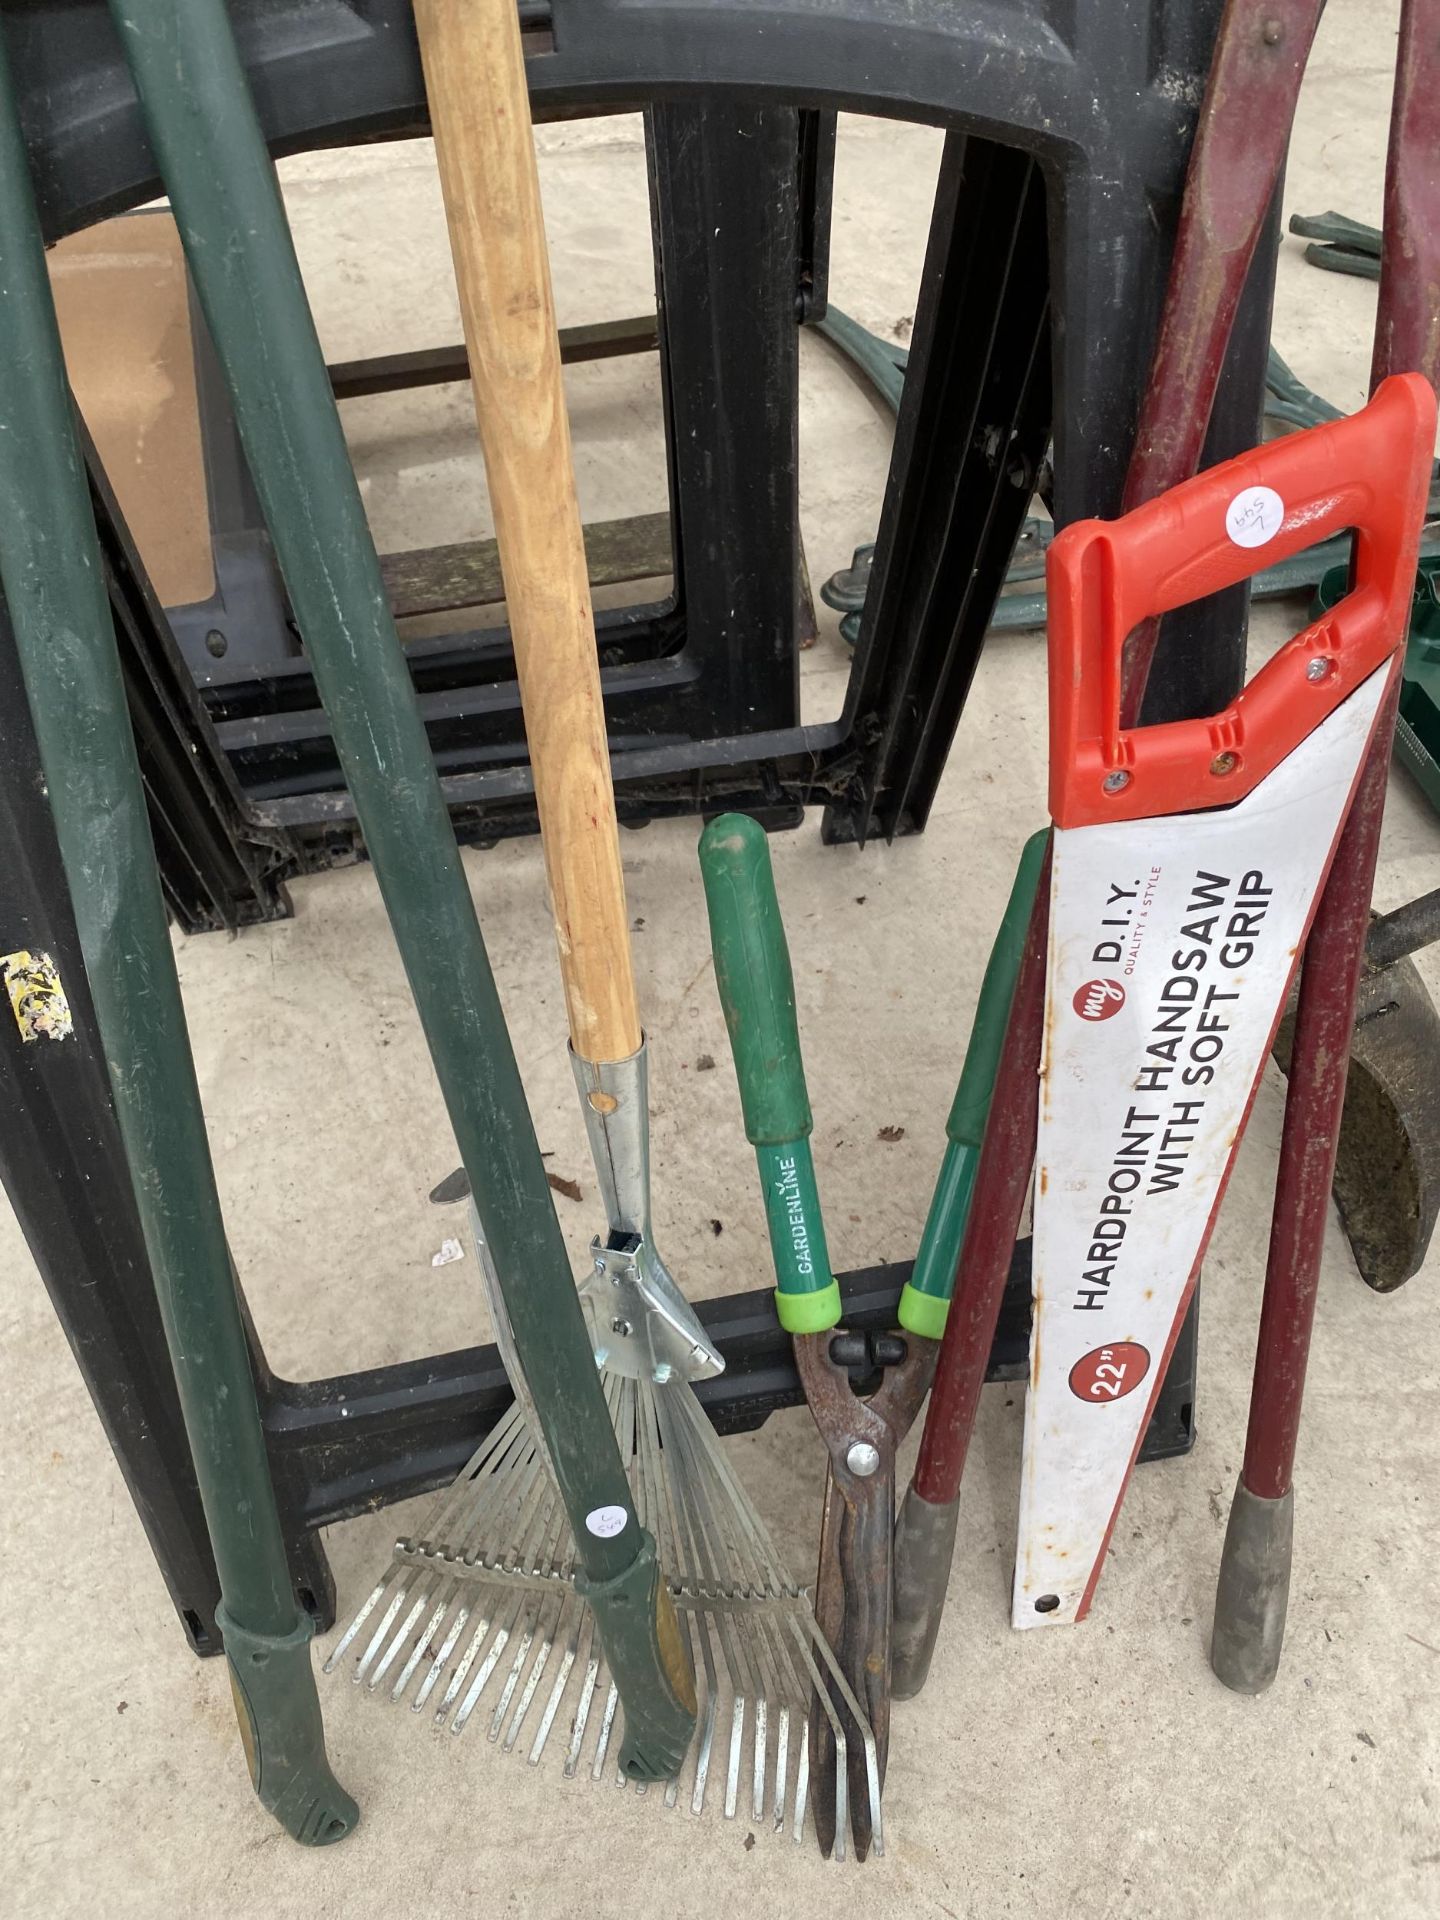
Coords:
pixel 1102 1770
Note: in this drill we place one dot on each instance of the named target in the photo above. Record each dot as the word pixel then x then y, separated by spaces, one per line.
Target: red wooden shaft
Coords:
pixel 1407 336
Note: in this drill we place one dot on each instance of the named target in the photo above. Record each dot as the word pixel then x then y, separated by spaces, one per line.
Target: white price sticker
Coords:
pixel 1255 516
pixel 606 1522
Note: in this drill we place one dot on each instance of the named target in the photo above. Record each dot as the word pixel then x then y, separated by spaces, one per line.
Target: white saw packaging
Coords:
pixel 1173 941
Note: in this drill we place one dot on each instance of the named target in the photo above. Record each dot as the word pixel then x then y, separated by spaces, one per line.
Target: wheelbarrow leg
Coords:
pixel 1254 1585
pixel 54 585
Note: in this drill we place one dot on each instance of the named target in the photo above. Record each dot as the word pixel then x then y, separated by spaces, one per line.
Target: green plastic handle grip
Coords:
pixel 925 1297
pixel 752 971
pixel 757 992
pixel 971 1105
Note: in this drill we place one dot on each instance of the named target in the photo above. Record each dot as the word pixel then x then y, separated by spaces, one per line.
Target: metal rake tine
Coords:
pixel 699 1625
pixel 557 1538
pixel 706 1527
pixel 377 1639
pixel 442 1658
pixel 530 1615
pixel 468 1658
pixel 656 1507
pixel 827 1705
pixel 338 1651
pixel 802 1788
pixel 607 1721
pixel 438 1521
pixel 770 1657
pixel 460 1550
pixel 487 1667
pixel 802 1770
pixel 571 1607
pixel 581 1617
pixel 782 1767
pixel 866 1731
pixel 587 1694
pixel 402 1633
pixel 767 1566
pixel 794 1712
pixel 523 1519
pixel 707 1723
pixel 492 1462
pixel 737 1667
pixel 760 1539
pixel 445 1598
pixel 490 1500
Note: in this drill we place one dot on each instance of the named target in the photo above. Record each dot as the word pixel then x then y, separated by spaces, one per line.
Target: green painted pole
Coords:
pixel 212 157
pixel 55 591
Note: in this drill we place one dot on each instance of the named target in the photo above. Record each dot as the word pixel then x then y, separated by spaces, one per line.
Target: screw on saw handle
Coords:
pixel 1369 472
pixel 757 991
pixel 925 1297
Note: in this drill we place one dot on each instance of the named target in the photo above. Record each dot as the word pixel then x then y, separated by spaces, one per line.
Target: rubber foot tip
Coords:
pixel 1253 1592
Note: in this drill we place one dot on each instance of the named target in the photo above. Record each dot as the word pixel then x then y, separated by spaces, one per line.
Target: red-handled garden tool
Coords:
pixel 1254 1586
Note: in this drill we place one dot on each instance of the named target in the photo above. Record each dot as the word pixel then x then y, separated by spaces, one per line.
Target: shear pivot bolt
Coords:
pixel 862 1459
pixel 1116 782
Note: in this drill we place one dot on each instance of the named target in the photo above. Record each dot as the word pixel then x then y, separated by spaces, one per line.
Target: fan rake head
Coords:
pixel 478 1614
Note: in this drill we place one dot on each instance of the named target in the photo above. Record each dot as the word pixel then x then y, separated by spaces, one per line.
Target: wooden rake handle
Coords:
pixel 484 145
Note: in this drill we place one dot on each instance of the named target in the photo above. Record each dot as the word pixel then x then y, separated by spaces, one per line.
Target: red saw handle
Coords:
pixel 1104 577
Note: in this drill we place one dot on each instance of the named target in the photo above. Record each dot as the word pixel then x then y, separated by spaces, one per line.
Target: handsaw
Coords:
pixel 1187 862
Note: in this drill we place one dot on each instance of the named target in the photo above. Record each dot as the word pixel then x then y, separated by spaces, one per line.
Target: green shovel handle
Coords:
pixel 757 991
pixel 925 1298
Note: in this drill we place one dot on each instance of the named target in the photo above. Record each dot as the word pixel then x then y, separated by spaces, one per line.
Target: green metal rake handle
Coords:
pixel 757 991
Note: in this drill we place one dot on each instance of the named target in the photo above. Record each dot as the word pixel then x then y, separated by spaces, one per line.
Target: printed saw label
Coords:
pixel 1172 944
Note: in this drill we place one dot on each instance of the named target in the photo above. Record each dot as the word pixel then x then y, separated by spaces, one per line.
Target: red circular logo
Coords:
pixel 1098 999
pixel 1109 1373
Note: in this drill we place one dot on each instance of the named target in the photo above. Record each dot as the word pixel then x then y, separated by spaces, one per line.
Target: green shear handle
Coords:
pixel 757 991
pixel 925 1297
